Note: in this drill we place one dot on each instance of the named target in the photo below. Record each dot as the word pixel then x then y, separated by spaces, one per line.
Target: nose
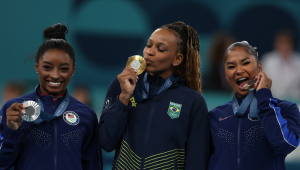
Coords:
pixel 239 70
pixel 55 74
pixel 150 51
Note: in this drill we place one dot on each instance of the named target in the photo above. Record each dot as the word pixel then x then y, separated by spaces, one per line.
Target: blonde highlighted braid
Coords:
pixel 189 47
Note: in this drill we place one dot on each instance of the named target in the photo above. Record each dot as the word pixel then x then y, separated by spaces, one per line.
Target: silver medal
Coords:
pixel 32 111
pixel 249 85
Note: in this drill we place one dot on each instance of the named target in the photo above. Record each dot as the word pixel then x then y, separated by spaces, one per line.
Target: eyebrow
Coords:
pixel 245 59
pixel 241 60
pixel 47 62
pixel 162 43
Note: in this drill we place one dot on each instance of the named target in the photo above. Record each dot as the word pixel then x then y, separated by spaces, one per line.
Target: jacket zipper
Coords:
pixel 238 144
pixel 147 134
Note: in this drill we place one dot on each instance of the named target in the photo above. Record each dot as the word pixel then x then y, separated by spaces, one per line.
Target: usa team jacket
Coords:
pixel 167 131
pixel 60 144
pixel 241 143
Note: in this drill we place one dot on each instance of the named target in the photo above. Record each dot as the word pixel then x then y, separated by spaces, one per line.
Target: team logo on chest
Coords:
pixel 174 110
pixel 71 118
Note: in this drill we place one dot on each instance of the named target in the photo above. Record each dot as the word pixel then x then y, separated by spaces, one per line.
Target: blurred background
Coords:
pixel 104 33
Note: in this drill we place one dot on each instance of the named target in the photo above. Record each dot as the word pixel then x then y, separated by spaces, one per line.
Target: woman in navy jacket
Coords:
pixel 64 136
pixel 254 130
pixel 167 127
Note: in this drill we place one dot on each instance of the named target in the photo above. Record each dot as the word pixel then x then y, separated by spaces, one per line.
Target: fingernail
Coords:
pixel 23 111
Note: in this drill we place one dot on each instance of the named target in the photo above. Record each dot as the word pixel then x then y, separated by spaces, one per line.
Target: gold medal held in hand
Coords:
pixel 136 62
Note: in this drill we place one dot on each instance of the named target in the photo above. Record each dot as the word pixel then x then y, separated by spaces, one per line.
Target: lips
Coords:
pixel 148 61
pixel 241 82
pixel 54 83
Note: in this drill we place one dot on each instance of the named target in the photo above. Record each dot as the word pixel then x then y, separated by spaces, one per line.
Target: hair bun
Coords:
pixel 57 31
pixel 246 42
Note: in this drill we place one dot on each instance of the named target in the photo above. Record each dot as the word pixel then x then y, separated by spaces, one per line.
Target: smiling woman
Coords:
pixel 254 130
pixel 63 134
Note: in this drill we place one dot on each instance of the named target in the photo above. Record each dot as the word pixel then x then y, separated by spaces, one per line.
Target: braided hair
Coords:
pixel 54 38
pixel 189 47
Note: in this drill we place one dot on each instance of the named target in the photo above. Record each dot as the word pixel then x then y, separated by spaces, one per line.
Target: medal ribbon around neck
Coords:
pixel 59 111
pixel 145 88
pixel 249 100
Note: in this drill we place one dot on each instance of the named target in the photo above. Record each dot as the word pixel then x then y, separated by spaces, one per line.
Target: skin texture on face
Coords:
pixel 55 69
pixel 161 53
pixel 240 64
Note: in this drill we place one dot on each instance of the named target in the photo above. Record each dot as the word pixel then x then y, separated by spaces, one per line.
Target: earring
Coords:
pixel 37 72
pixel 174 64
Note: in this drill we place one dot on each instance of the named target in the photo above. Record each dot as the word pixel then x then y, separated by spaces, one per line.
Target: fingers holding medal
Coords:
pixel 263 81
pixel 13 115
pixel 128 78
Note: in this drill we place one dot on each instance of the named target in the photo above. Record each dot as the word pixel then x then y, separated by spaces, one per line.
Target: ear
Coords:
pixel 73 69
pixel 36 67
pixel 260 67
pixel 178 59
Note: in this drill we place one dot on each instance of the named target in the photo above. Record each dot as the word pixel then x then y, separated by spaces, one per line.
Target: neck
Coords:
pixel 46 92
pixel 165 74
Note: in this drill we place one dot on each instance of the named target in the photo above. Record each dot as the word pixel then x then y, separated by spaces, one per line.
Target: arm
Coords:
pixel 281 121
pixel 113 119
pixel 197 145
pixel 91 152
pixel 9 142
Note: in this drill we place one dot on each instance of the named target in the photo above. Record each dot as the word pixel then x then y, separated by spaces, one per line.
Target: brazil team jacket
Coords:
pixel 152 134
pixel 241 143
pixel 59 144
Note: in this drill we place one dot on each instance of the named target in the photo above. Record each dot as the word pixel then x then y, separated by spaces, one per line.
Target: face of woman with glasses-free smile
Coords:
pixel 55 69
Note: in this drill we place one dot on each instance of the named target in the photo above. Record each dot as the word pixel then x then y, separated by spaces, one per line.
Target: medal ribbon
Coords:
pixel 145 88
pixel 249 100
pixel 59 111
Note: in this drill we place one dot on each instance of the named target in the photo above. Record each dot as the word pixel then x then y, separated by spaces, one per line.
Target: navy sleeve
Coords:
pixel 91 153
pixel 9 142
pixel 281 121
pixel 113 118
pixel 197 145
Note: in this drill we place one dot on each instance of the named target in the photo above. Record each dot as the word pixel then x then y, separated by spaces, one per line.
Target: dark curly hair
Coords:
pixel 188 41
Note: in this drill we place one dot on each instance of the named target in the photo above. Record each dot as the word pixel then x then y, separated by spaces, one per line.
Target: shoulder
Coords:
pixel 221 108
pixel 115 82
pixel 287 106
pixel 193 94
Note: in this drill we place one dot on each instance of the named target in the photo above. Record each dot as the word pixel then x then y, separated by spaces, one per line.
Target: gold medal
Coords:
pixel 136 62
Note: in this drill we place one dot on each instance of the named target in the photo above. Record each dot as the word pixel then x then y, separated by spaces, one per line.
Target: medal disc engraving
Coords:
pixel 136 62
pixel 32 111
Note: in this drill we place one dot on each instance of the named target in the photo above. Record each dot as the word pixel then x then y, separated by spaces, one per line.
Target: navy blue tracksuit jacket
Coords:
pixel 59 144
pixel 241 143
pixel 153 134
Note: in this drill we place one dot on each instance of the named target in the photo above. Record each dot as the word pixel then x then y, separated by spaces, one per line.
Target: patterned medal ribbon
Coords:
pixel 145 88
pixel 249 100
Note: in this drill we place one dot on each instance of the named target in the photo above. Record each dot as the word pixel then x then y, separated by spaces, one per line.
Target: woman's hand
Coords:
pixel 127 80
pixel 262 81
pixel 13 116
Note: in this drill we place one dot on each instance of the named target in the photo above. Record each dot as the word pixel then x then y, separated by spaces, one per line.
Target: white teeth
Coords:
pixel 241 79
pixel 54 83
